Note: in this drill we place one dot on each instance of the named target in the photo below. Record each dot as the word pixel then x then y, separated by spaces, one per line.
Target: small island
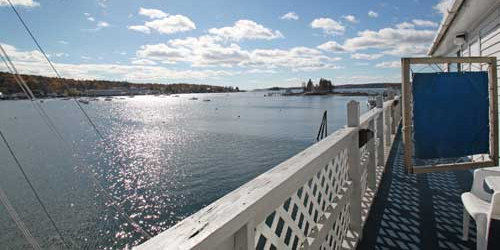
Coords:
pixel 325 87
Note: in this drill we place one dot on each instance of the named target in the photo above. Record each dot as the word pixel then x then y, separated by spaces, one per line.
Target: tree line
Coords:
pixel 323 85
pixel 43 86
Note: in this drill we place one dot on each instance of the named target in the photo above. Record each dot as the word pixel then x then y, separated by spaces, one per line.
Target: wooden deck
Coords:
pixel 421 211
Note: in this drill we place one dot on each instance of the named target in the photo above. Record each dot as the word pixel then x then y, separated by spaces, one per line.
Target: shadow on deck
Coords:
pixel 421 211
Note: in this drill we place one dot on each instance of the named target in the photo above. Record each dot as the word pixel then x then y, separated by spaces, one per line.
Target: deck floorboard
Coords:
pixel 421 211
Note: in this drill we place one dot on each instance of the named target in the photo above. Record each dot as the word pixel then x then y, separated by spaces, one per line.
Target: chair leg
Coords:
pixel 465 229
pixel 481 238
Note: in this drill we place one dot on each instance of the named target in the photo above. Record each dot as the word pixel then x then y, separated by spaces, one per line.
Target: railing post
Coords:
pixel 388 123
pixel 380 132
pixel 245 237
pixel 371 167
pixel 393 114
pixel 354 168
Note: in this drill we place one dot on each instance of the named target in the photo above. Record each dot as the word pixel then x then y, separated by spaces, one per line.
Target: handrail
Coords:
pixel 296 202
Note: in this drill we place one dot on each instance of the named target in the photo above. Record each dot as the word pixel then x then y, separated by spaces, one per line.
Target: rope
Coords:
pixel 33 189
pixel 115 205
pixel 15 217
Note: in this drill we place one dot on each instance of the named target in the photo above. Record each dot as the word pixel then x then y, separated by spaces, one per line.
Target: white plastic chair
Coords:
pixel 481 205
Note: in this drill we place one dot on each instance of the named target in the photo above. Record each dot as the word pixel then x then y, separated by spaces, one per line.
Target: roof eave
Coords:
pixel 451 12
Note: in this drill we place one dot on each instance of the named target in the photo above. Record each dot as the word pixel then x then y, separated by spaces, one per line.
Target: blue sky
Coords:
pixel 250 44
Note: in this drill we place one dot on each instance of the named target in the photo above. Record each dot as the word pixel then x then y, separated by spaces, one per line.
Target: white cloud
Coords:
pixel 102 3
pixel 99 25
pixel 290 16
pixel 424 23
pixel 408 50
pixel 62 42
pixel 143 62
pixel 260 71
pixel 405 25
pixel 23 3
pixel 442 6
pixel 102 24
pixel 409 41
pixel 389 64
pixel 246 29
pixel 32 62
pixel 357 79
pixel 60 54
pixel 168 25
pixel 199 52
pixel 296 59
pixel 213 51
pixel 328 25
pixel 140 28
pixel 362 56
pixel 152 13
pixel 350 18
pixel 26 56
pixel 372 13
pixel 332 46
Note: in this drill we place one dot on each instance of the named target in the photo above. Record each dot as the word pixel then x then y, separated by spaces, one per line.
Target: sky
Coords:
pixel 249 44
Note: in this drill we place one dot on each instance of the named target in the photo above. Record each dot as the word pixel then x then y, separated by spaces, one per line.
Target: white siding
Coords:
pixel 484 40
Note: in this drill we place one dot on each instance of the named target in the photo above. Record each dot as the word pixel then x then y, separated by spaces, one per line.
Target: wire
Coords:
pixel 15 217
pixel 27 91
pixel 115 205
pixel 33 189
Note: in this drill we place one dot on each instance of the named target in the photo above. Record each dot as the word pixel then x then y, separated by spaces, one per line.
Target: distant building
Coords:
pixel 107 92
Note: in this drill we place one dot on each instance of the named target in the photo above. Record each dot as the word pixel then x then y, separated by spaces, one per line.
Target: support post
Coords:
pixel 244 238
pixel 492 74
pixel 354 168
pixel 407 129
pixel 388 122
pixel 371 167
pixel 380 132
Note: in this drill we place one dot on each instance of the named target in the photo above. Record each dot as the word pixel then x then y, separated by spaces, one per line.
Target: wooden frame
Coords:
pixel 407 112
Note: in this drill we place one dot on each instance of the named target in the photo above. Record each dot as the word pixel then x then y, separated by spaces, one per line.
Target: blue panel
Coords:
pixel 450 114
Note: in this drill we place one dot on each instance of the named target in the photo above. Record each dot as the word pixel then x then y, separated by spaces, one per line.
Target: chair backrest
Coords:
pixel 478 182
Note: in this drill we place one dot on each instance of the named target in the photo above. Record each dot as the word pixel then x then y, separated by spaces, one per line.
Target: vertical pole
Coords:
pixel 244 238
pixel 388 123
pixel 371 167
pixel 380 132
pixel 492 74
pixel 393 115
pixel 354 167
pixel 407 125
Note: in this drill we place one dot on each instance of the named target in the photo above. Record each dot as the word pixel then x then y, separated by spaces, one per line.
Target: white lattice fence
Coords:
pixel 290 224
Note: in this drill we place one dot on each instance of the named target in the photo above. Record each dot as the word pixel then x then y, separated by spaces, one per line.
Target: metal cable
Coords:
pixel 33 189
pixel 115 205
pixel 27 91
pixel 19 223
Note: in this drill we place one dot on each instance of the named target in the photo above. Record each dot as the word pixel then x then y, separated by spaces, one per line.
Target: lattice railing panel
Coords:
pixel 288 226
pixel 338 232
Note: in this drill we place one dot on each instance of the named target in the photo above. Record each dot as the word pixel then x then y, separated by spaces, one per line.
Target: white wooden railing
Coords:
pixel 318 199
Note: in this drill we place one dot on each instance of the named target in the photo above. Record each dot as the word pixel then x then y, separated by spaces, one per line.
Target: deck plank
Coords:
pixel 413 211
